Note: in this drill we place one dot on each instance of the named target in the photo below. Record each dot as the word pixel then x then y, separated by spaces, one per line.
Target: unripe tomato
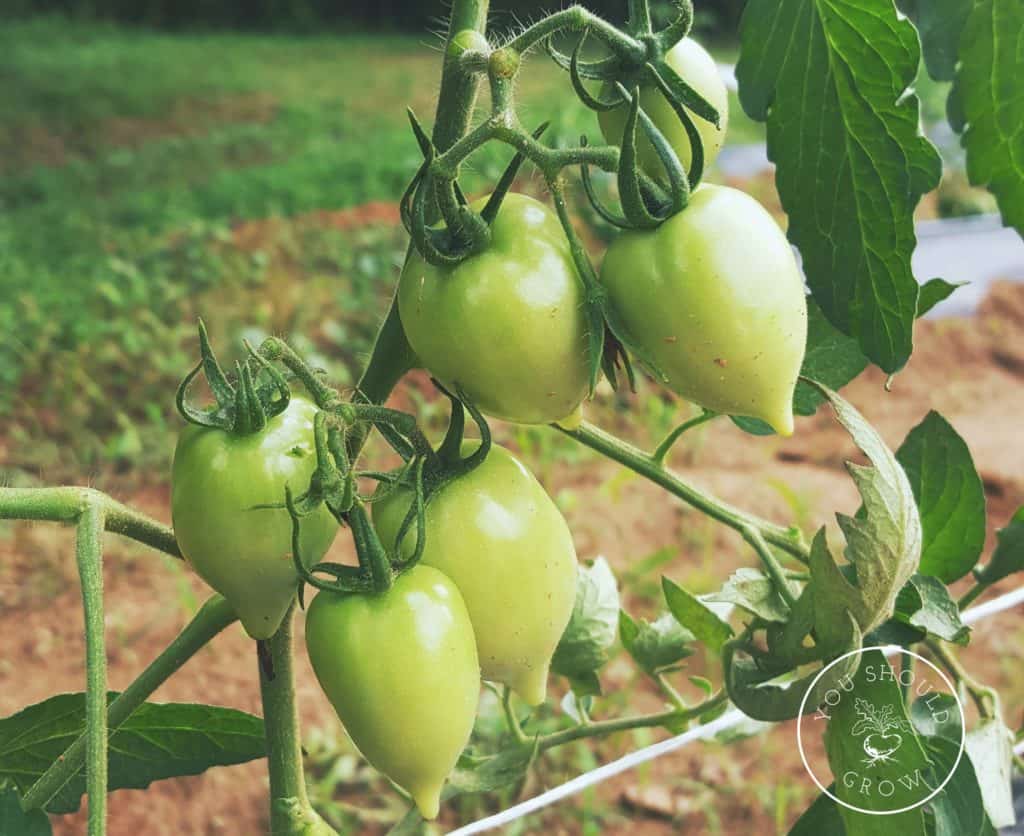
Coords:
pixel 697 68
pixel 508 324
pixel 400 669
pixel 496 533
pixel 715 298
pixel 242 551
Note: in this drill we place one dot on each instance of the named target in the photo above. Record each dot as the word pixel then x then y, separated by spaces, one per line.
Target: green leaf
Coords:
pixel 755 592
pixel 883 545
pixel 695 616
pixel 958 808
pixel 949 496
pixel 656 645
pixel 832 78
pixel 474 774
pixel 16 822
pixel 939 23
pixel 934 291
pixel 1008 556
pixel 925 603
pixel 990 748
pixel 870 717
pixel 938 715
pixel 159 740
pixel 989 94
pixel 584 645
pixel 822 817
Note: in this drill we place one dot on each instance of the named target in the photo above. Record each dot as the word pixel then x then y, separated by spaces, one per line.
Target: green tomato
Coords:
pixel 697 68
pixel 243 551
pixel 496 533
pixel 715 298
pixel 507 324
pixel 401 671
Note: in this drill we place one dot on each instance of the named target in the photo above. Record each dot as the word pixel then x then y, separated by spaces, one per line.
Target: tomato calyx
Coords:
pixel 242 407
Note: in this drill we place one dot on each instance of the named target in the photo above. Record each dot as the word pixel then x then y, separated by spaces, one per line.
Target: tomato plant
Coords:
pixel 463 563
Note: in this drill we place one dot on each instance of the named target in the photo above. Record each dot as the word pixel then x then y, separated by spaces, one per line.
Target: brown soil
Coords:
pixel 971 370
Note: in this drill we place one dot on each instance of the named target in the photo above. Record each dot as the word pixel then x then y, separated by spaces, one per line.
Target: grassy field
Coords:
pixel 147 177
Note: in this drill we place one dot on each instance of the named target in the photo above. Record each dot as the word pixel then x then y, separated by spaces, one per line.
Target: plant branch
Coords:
pixel 789 540
pixel 602 728
pixel 89 555
pixel 577 18
pixel 983 696
pixel 290 811
pixel 510 716
pixel 212 617
pixel 68 504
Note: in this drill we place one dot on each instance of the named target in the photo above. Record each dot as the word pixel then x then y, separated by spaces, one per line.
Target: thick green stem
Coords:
pixel 984 698
pixel 89 553
pixel 290 811
pixel 971 595
pixel 212 617
pixel 577 18
pixel 70 503
pixel 639 462
pixel 603 728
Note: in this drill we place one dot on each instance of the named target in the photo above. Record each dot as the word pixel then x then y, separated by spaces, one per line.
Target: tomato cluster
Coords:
pixel 711 299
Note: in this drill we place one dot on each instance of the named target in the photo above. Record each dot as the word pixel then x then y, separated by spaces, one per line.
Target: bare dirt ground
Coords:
pixel 971 370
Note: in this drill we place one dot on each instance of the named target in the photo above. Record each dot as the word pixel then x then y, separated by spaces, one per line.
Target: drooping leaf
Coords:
pixel 989 98
pixel 16 822
pixel 1008 556
pixel 695 616
pixel 831 78
pixel 990 749
pixel 584 646
pixel 883 544
pixel 892 753
pixel 958 809
pixel 925 603
pixel 755 592
pixel 938 715
pixel 159 740
pixel 949 496
pixel 655 645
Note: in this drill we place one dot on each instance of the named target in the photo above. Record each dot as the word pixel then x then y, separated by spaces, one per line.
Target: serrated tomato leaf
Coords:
pixel 832 78
pixel 695 616
pixel 752 590
pixel 655 645
pixel 159 740
pixel 940 24
pixel 949 496
pixel 988 98
pixel 1008 556
pixel 925 603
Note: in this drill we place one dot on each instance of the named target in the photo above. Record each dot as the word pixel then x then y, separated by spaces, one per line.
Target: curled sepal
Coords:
pixel 684 94
pixel 508 176
pixel 241 408
pixel 633 204
pixel 429 242
pixel 416 514
pixel 679 185
pixel 588 188
pixel 604 69
pixel 678 28
pixel 450 462
pixel 373 557
pixel 332 482
pixel 595 103
pixel 696 141
pixel 346 578
pixel 467 232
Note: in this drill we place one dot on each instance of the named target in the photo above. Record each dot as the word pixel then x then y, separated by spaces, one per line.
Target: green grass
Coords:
pixel 128 159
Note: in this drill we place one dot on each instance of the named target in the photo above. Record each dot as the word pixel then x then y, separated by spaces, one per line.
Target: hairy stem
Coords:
pixel 212 617
pixel 68 504
pixel 290 811
pixel 638 461
pixel 89 553
pixel 983 696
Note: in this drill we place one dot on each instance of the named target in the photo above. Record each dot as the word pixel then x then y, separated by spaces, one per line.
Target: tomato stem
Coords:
pixel 290 811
